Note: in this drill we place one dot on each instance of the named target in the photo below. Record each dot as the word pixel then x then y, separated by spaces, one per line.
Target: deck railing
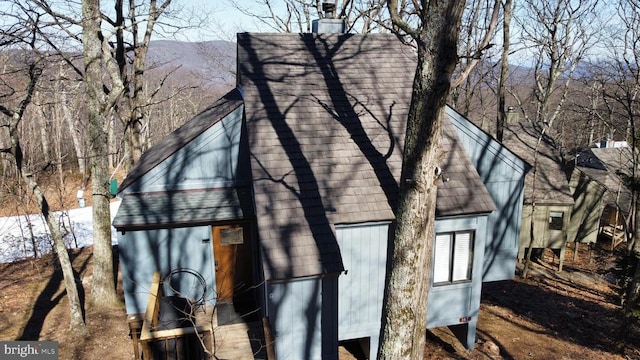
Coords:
pixel 189 342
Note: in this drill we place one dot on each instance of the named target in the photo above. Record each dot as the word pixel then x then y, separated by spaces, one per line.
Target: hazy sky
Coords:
pixel 224 20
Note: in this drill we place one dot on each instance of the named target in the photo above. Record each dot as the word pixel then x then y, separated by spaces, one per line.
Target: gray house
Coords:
pixel 282 194
pixel 546 186
pixel 603 201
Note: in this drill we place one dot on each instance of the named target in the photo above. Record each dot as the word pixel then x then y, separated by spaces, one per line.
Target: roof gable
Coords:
pixel 551 184
pixel 605 165
pixel 182 136
pixel 486 152
pixel 612 159
pixel 326 116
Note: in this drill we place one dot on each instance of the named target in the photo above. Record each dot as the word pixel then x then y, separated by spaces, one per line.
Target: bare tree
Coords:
pixel 98 107
pixel 293 16
pixel 558 36
pixel 133 77
pixel 121 56
pixel 22 33
pixel 621 92
pixel 405 305
pixel 504 70
pixel 479 26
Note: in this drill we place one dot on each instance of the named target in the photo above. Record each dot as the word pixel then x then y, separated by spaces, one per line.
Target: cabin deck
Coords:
pixel 238 341
pixel 615 234
pixel 234 336
pixel 227 331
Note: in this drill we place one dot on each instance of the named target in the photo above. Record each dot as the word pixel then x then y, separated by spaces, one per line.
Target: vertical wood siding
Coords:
pixel 503 175
pixel 208 161
pixel 303 315
pixel 364 250
pixel 449 303
pixel 543 236
pixel 146 251
pixel 503 229
pixel 587 210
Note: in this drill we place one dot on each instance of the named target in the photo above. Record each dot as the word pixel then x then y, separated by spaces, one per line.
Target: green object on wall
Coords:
pixel 113 187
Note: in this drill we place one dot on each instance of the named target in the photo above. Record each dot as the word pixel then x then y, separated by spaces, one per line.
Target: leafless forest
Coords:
pixel 570 68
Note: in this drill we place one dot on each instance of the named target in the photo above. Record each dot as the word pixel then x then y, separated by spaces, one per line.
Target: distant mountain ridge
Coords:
pixel 212 63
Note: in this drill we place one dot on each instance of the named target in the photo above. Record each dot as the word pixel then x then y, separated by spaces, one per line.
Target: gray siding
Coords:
pixel 208 161
pixel 303 315
pixel 543 236
pixel 361 288
pixel 503 230
pixel 503 175
pixel 584 225
pixel 144 252
pixel 449 305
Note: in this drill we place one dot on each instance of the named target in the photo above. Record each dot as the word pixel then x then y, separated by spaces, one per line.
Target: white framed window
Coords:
pixel 453 257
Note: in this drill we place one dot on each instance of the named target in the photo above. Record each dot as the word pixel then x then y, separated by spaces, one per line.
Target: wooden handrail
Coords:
pixel 150 333
pixel 177 332
pixel 150 322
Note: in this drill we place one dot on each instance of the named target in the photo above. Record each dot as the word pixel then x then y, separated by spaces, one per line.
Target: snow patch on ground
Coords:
pixel 19 234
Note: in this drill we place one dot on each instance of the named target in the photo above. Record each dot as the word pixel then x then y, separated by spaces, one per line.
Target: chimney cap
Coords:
pixel 329 9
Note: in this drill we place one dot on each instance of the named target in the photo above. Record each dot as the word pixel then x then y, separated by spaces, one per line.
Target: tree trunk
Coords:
pixel 405 306
pixel 532 238
pixel 74 127
pixel 527 263
pixel 76 323
pixel 103 288
pixel 504 71
pixel 75 306
pixel 44 135
pixel 137 98
pixel 631 305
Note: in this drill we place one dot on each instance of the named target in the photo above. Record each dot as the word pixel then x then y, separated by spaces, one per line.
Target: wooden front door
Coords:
pixel 226 239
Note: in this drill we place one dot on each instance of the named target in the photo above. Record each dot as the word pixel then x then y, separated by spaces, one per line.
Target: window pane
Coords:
pixel 442 258
pixel 555 220
pixel 462 256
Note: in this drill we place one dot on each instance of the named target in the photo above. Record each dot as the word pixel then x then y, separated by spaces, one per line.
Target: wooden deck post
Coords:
pixel 268 337
pixel 150 333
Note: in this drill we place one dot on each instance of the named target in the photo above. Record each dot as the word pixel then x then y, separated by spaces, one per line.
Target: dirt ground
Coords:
pixel 568 315
pixel 33 306
pixel 59 188
pixel 573 314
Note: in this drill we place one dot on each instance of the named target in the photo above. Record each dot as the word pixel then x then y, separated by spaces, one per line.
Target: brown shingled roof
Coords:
pixel 552 186
pixel 605 165
pixel 183 208
pixel 326 116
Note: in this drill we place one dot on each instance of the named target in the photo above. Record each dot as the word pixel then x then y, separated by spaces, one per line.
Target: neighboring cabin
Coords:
pixel 282 196
pixel 603 201
pixel 546 186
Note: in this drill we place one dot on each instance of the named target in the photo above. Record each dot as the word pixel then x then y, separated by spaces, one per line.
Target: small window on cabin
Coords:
pixel 453 257
pixel 556 220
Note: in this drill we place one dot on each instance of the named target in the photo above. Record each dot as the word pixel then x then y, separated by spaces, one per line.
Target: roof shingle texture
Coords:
pixel 182 208
pixel 604 165
pixel 326 116
pixel 551 184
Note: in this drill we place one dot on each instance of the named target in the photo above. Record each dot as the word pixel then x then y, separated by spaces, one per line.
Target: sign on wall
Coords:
pixel 231 236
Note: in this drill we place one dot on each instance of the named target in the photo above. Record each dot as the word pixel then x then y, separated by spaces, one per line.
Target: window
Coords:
pixel 556 220
pixel 453 257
